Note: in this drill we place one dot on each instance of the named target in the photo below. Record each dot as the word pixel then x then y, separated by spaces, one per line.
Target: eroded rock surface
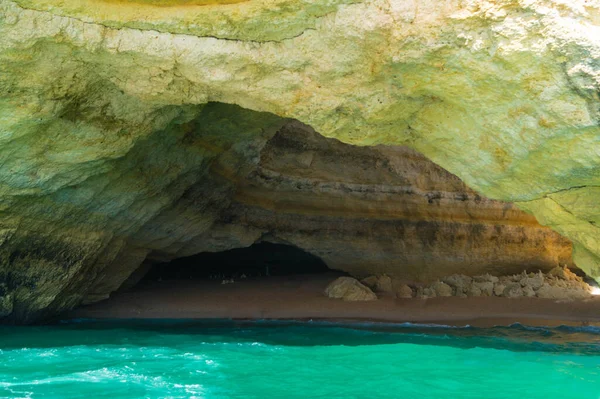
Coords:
pixel 559 283
pixel 349 289
pixel 196 187
pixel 110 156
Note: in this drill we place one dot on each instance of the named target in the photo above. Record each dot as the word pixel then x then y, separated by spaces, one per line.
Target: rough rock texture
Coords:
pixel 513 290
pixel 349 289
pixel 534 282
pixel 485 288
pixel 6 301
pixel 404 291
pixel 196 186
pixel 558 283
pixel 459 282
pixel 382 283
pixel 106 145
pixel 441 289
pixel 383 210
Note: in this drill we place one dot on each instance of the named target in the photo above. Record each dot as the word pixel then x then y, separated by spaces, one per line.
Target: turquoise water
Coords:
pixel 185 359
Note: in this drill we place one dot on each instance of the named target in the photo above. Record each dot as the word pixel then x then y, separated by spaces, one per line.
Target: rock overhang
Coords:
pixel 502 94
pixel 252 21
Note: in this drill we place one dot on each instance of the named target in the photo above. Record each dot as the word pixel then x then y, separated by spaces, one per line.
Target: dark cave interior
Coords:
pixel 261 259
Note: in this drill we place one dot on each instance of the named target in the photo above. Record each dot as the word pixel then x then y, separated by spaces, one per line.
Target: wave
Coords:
pixel 315 332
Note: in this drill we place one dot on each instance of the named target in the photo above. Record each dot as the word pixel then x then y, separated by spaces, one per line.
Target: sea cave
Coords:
pixel 241 170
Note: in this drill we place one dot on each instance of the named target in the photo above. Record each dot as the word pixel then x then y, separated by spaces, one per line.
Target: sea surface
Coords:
pixel 227 359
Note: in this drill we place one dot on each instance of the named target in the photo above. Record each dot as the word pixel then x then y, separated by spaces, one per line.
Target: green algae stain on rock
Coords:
pixel 88 86
pixel 175 3
pixel 73 226
pixel 242 20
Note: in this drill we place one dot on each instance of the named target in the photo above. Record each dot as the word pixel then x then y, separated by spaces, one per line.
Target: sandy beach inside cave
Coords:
pixel 301 297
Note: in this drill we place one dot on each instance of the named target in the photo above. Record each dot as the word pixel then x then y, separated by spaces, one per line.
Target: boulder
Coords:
pixel 528 291
pixel 370 282
pixel 349 289
pixel 486 288
pixel 554 292
pixel 507 280
pixel 499 289
pixel 382 283
pixel 459 282
pixel 441 289
pixel 486 278
pixel 404 291
pixel 425 292
pixel 473 290
pixel 565 274
pixel 513 290
pixel 534 282
pixel 550 292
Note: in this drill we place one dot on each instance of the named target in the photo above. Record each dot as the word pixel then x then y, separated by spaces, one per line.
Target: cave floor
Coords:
pixel 301 297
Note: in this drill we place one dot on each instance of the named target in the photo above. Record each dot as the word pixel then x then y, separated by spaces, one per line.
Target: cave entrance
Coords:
pixel 258 260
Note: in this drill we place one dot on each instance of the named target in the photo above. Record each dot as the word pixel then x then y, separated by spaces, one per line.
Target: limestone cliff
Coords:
pixel 104 136
pixel 232 177
pixel 375 210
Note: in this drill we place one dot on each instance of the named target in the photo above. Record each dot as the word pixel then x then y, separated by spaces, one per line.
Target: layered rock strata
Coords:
pixel 195 186
pixel 504 94
pixel 105 139
pixel 384 210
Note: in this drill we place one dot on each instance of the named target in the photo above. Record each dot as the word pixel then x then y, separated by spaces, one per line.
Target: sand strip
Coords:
pixel 301 298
